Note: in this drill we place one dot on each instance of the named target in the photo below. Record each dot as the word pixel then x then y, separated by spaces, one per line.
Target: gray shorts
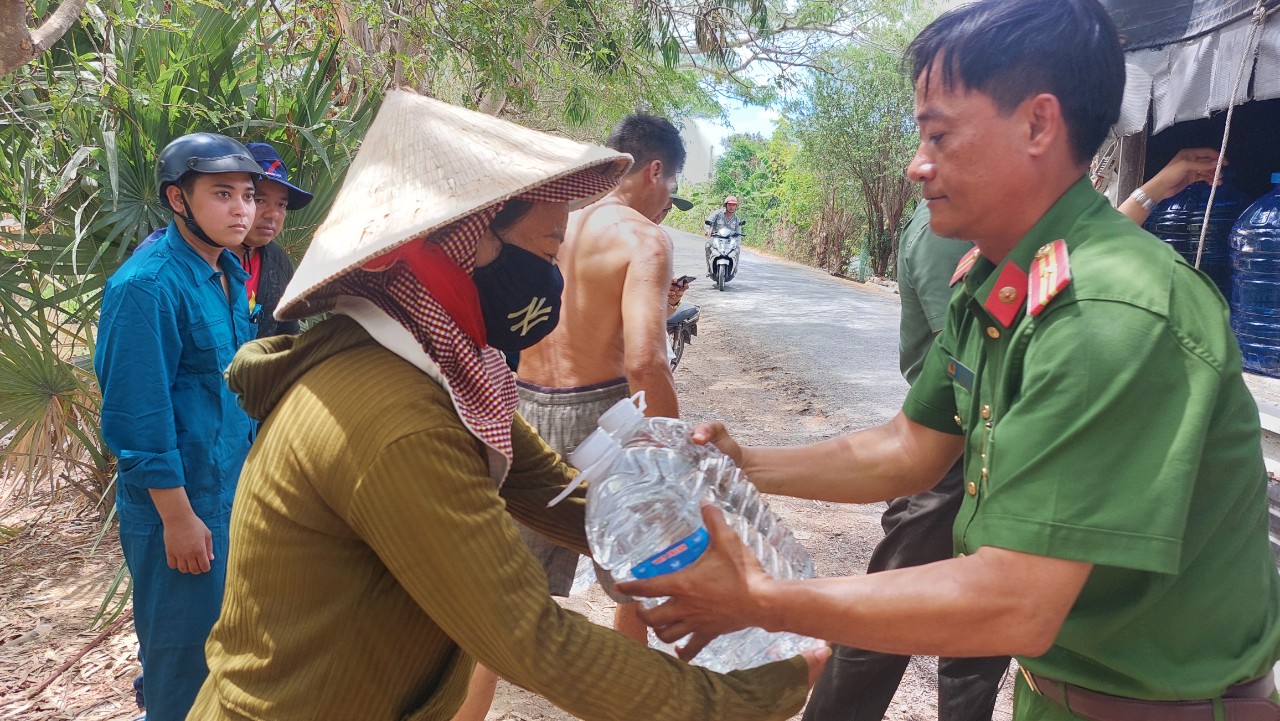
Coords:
pixel 563 417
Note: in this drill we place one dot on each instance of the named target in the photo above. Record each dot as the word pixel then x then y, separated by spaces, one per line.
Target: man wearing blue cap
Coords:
pixel 269 267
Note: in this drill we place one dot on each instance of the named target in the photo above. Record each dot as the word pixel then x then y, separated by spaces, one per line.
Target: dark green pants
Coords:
pixel 858 685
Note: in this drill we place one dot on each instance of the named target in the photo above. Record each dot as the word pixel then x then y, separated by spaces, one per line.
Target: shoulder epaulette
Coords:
pixel 965 265
pixel 1050 273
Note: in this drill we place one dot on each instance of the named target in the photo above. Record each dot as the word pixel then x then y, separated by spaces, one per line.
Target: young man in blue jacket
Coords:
pixel 172 317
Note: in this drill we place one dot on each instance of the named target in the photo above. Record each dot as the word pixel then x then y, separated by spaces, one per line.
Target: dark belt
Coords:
pixel 1248 701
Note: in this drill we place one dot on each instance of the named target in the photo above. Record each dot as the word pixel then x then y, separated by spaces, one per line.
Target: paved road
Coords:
pixel 837 337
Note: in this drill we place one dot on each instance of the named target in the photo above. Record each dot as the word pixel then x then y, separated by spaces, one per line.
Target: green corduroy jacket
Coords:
pixel 373 560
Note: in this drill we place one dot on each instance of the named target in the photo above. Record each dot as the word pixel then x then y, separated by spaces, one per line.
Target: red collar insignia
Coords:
pixel 1007 294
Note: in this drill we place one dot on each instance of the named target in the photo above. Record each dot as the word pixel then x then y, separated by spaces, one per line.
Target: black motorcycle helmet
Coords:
pixel 201 153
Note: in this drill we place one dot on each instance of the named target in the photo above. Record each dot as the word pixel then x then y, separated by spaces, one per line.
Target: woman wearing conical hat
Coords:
pixel 373 556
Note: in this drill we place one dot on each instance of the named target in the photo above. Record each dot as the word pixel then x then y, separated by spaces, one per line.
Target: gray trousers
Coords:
pixel 858 685
pixel 563 417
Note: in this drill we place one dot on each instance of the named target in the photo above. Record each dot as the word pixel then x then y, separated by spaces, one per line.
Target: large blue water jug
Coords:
pixel 1178 220
pixel 1255 283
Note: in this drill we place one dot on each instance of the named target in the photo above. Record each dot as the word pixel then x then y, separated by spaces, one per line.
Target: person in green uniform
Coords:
pixel 1113 533
pixel 857 684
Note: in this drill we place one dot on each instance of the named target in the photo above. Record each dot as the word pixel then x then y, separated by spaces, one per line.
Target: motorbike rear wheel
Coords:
pixel 678 341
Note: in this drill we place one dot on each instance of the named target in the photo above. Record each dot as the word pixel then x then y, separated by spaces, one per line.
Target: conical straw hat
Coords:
pixel 423 165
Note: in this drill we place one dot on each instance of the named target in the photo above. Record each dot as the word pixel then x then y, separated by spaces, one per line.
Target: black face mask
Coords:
pixel 519 297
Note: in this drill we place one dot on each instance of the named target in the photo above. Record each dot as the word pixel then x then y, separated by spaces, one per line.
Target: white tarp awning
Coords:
pixel 1193 79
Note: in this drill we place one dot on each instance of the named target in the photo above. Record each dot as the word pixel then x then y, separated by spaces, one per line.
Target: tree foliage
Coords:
pixel 578 65
pixel 859 136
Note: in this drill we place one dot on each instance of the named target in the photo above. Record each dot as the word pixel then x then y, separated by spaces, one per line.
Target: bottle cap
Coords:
pixel 596 447
pixel 622 417
pixel 1275 178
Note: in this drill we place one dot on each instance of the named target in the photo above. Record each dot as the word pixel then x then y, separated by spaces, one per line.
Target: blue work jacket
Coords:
pixel 167 332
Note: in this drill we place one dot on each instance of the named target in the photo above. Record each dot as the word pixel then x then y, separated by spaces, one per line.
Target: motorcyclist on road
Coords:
pixel 726 217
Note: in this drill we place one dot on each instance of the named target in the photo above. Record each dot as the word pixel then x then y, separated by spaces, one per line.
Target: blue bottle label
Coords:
pixel 674 557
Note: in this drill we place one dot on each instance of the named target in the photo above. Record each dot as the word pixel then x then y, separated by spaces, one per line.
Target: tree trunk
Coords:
pixel 902 193
pixel 18 44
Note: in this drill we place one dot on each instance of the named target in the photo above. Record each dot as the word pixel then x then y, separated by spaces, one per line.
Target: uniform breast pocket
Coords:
pixel 210 348
pixel 965 411
pixel 962 385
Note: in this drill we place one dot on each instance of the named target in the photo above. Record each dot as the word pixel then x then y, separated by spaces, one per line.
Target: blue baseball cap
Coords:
pixel 273 168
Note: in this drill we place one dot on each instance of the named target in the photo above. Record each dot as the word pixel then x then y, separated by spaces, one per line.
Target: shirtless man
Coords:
pixel 611 340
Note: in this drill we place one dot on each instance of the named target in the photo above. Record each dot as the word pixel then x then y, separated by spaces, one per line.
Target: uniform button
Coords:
pixel 959 422
pixel 984 474
pixel 972 488
pixel 993 332
pixel 986 412
pixel 959 555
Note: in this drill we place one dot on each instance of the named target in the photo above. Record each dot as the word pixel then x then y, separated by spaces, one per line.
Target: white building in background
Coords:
pixel 700 150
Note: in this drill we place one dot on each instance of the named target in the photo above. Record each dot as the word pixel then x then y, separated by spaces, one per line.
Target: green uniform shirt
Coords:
pixel 1114 427
pixel 925 262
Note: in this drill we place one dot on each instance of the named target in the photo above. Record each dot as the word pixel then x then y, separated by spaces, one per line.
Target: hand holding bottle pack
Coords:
pixel 648 482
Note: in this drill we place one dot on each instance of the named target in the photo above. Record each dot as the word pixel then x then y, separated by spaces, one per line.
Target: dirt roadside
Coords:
pixel 51 584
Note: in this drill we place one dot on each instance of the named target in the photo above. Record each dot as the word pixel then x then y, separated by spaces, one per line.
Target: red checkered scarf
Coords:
pixel 482 387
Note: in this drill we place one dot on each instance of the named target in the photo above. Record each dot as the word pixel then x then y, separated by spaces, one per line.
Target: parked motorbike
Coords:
pixel 682 326
pixel 723 249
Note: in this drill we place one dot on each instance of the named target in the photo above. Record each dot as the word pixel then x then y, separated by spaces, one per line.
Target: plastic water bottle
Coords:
pixel 1255 280
pixel 1178 220
pixel 583 576
pixel 648 482
pixel 781 555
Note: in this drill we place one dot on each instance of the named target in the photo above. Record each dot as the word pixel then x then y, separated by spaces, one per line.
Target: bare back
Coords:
pixel 617 269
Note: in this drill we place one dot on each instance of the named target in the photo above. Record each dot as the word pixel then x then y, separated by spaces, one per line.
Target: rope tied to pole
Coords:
pixel 1251 53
